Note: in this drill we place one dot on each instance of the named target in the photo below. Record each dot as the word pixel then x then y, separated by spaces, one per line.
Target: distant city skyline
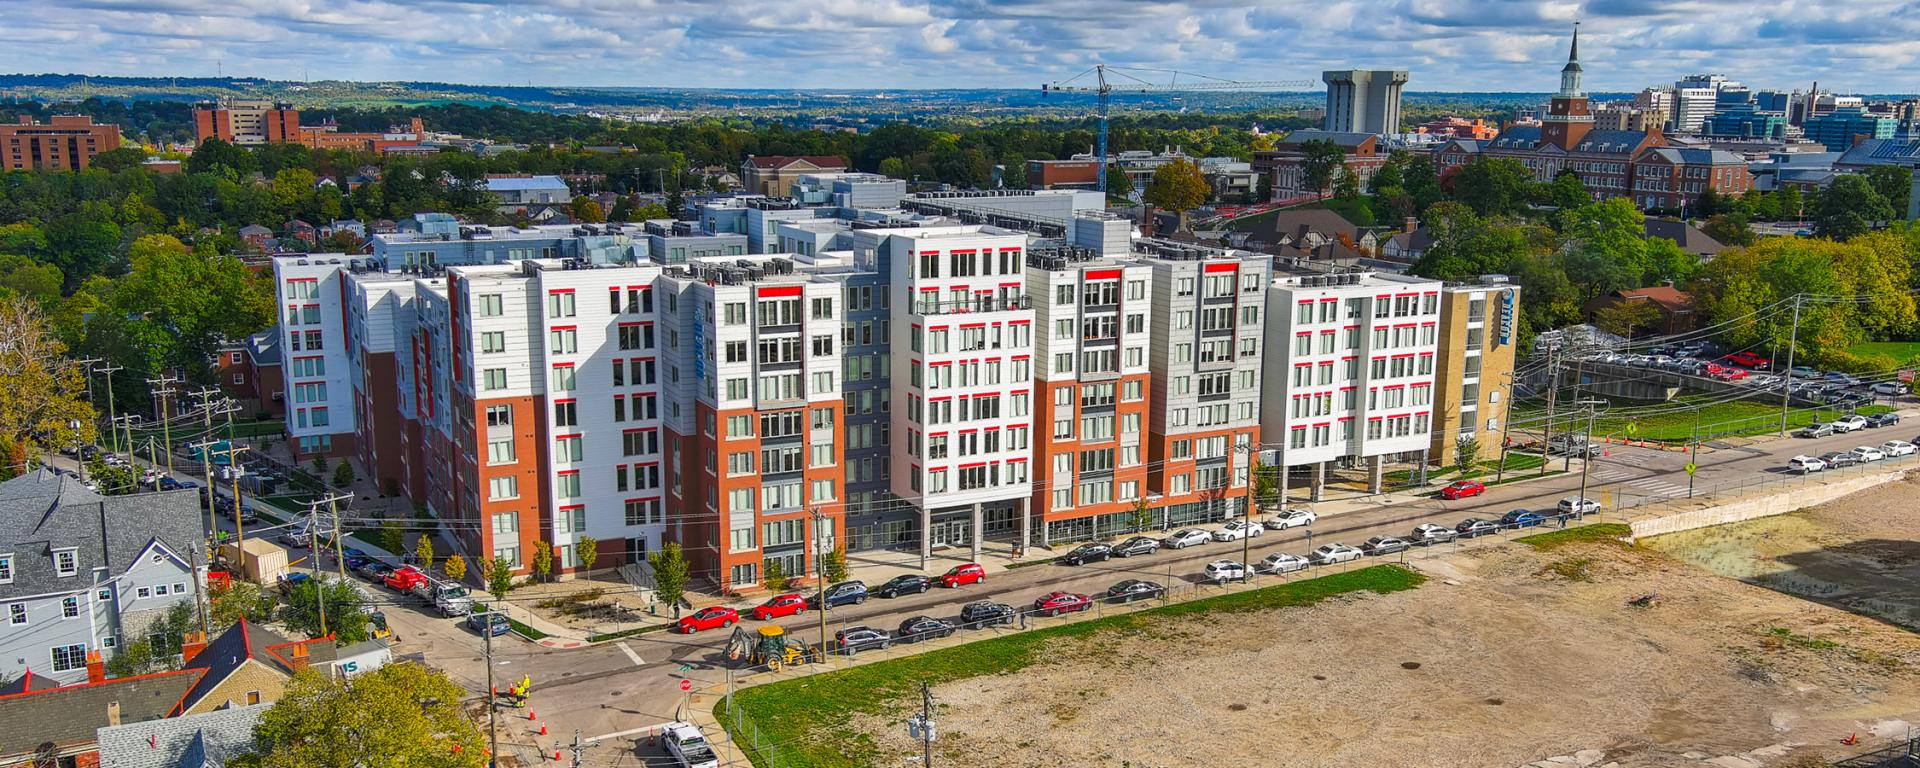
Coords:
pixel 1448 45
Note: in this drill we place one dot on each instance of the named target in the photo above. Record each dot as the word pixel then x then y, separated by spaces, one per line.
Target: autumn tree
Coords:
pixel 498 572
pixel 455 567
pixel 1622 318
pixel 542 559
pixel 586 211
pixel 1178 186
pixel 773 575
pixel 586 549
pixel 423 549
pixel 399 714
pixel 835 565
pixel 43 402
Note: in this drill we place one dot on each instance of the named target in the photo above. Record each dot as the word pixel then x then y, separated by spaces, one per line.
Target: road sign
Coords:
pixel 686 685
pixel 1691 467
pixel 1633 427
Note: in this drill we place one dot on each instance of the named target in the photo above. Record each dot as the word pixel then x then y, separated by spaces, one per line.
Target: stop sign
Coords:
pixel 686 685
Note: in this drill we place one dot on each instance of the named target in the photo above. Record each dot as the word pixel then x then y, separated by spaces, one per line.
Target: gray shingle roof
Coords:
pixel 1697 156
pixel 43 511
pixel 264 347
pixel 71 715
pixel 1611 142
pixel 1340 138
pixel 1516 137
pixel 197 741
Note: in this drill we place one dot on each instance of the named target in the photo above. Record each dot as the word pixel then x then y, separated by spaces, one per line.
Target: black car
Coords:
pixel 1134 589
pixel 986 613
pixel 1138 545
pixel 922 627
pixel 1883 419
pixel 855 639
pixel 1088 553
pixel 909 584
pixel 1474 526
pixel 1838 459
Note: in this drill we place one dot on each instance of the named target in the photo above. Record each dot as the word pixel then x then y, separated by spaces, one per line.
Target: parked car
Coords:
pixel 853 640
pixel 1473 526
pixel 1764 381
pixel 1870 453
pixel 1088 553
pixel 1237 530
pixel 1896 448
pixel 1851 423
pixel 962 575
pixel 905 584
pixel 1842 379
pixel 1430 534
pixel 1748 360
pixel 1462 489
pixel 1328 554
pixel 1804 372
pixel 1839 459
pixel 718 616
pixel 922 627
pixel 1289 518
pixel 489 623
pixel 1281 562
pixel 1187 537
pixel 1887 419
pixel 374 570
pixel 843 593
pixel 1223 571
pixel 406 578
pixel 1056 603
pixel 986 613
pixel 1815 430
pixel 449 598
pixel 1804 464
pixel 1138 545
pixel 1521 518
pixel 780 605
pixel 1730 374
pixel 1134 589
pixel 1384 545
pixel 1574 505
pixel 1889 388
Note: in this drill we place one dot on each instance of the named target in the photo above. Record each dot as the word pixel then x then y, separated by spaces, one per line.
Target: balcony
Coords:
pixel 969 306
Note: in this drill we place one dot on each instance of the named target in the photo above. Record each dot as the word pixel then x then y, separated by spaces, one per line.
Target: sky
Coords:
pixel 1448 45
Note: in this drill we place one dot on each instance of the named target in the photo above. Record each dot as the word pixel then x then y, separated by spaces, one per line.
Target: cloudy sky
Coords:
pixel 1494 45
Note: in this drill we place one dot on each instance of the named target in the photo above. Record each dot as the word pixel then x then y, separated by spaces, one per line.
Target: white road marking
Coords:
pixel 628 650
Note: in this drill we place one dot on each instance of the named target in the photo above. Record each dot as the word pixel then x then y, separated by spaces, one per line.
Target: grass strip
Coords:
pixel 1600 532
pixel 808 716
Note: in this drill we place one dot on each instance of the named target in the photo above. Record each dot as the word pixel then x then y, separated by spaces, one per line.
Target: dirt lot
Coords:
pixel 1507 657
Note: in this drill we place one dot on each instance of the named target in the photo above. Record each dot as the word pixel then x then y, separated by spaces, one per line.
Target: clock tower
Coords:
pixel 1569 117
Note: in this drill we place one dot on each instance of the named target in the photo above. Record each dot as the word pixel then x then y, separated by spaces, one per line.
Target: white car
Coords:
pixel 1333 553
pixel 1223 571
pixel 1850 423
pixel 1869 453
pixel 1290 518
pixel 1428 533
pixel 1237 530
pixel 1281 562
pixel 1574 505
pixel 1805 464
pixel 1892 388
pixel 1897 448
pixel 1187 537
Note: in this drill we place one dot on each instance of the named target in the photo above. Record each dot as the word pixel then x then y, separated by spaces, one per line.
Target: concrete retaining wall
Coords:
pixel 1777 502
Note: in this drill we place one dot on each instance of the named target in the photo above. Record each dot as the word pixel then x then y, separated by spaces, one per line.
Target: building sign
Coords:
pixel 1506 317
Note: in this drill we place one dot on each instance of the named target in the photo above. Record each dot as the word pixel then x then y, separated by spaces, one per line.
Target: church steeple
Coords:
pixel 1570 74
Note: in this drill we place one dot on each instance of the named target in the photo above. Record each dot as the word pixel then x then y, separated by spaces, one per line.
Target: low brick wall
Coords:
pixel 1776 502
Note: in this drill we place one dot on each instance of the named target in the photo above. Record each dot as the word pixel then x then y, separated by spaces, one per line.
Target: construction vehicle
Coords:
pixel 378 629
pixel 769 646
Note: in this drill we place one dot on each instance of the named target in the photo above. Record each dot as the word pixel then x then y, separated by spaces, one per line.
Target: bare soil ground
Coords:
pixel 1508 657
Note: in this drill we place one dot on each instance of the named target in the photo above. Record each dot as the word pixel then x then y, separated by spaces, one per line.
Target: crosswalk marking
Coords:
pixel 628 650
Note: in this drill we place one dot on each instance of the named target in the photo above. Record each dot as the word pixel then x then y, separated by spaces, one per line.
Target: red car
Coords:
pixel 708 618
pixel 406 578
pixel 1462 489
pixel 1057 603
pixel 963 574
pixel 780 605
pixel 1730 374
pixel 1748 360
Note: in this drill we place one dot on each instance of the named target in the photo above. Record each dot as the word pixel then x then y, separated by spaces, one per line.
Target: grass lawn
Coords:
pixel 1672 423
pixel 1900 351
pixel 807 717
pixel 1604 532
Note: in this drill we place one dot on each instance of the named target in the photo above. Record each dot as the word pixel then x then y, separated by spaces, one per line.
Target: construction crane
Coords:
pixel 1108 80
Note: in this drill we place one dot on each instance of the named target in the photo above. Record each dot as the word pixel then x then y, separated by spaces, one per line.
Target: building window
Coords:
pixel 744 574
pixel 490 305
pixel 6 568
pixel 17 614
pixel 560 304
pixel 66 562
pixel 501 488
pixel 493 379
pixel 500 452
pixel 67 658
pixel 643 512
pixel 69 607
pixel 505 523
pixel 508 555
pixel 493 341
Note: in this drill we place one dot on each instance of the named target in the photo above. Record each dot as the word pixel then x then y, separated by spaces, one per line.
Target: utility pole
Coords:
pixel 1586 457
pixel 332 501
pixel 126 421
pixel 921 726
pixel 86 367
pixel 112 436
pixel 165 390
pixel 1579 370
pixel 493 698
pixel 820 575
pixel 313 562
pixel 1553 389
pixel 577 748
pixel 1786 381
pixel 1506 422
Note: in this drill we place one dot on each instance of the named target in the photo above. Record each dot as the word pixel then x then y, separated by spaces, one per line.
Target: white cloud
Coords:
pixel 1478 45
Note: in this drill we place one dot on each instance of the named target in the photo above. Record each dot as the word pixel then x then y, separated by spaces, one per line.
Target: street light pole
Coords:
pixel 1786 381
pixel 1586 453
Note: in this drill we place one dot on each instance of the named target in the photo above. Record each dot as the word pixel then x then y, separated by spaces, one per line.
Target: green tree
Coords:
pixel 1142 518
pixel 134 658
pixel 23 276
pixel 1263 188
pixel 1729 229
pixel 1893 182
pixel 343 475
pixel 1605 246
pixel 1319 159
pixel 651 211
pixel 221 159
pixel 1119 187
pixel 773 575
pixel 1849 207
pixel 893 167
pixel 623 208
pixel 390 538
pixel 499 575
pixel 240 601
pixel 1466 453
pixel 455 567
pixel 587 550
pixel 1345 186
pixel 319 466
pixel 346 618
pixel 119 159
pixel 1492 185
pixel 1266 482
pixel 1392 175
pixel 669 573
pixel 1565 192
pixel 1178 186
pixel 423 549
pixel 834 564
pixel 82 243
pixel 401 714
pixel 586 211
pixel 542 560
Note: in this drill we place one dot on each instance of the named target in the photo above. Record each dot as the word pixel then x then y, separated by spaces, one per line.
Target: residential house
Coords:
pixel 208 740
pixel 774 175
pixel 1309 229
pixel 259 237
pixel 520 191
pixel 251 664
pixel 300 230
pixel 1364 155
pixel 60 726
pixel 1675 306
pixel 1685 235
pixel 82 572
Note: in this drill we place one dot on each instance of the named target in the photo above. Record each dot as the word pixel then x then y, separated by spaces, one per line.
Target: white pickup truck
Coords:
pixel 688 745
pixel 449 598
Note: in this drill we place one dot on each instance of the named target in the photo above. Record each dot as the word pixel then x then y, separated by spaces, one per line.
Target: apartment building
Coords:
pixel 1473 372
pixel 1090 405
pixel 246 122
pixel 961 441
pixel 1351 384
pixel 318 394
pixel 63 143
pixel 1204 351
pixel 757 450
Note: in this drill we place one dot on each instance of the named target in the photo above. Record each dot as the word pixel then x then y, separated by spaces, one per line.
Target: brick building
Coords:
pixel 63 143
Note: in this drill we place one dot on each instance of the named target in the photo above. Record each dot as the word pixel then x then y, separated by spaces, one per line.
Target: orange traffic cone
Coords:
pixel 530 714
pixel 543 729
pixel 556 754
